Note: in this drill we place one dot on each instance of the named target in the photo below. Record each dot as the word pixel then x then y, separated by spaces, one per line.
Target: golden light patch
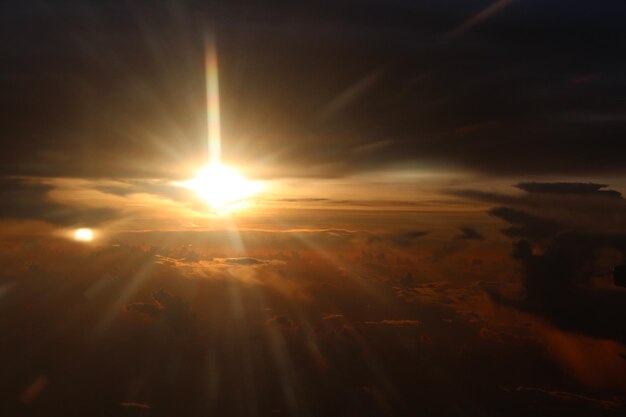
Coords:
pixel 222 187
pixel 84 234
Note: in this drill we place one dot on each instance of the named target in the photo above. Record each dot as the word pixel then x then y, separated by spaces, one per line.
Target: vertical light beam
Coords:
pixel 212 101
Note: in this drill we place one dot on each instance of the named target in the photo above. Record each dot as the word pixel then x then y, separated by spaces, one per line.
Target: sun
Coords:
pixel 222 187
pixel 83 234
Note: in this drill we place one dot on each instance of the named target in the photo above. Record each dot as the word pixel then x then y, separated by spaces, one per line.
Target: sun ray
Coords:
pixel 213 101
pixel 220 186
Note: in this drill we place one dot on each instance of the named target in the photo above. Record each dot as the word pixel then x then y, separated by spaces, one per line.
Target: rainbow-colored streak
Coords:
pixel 213 101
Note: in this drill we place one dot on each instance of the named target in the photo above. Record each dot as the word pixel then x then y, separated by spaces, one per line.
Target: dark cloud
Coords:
pixel 468 233
pixel 563 259
pixel 399 239
pixel 449 248
pixel 29 199
pixel 172 309
pixel 546 208
pixel 559 285
pixel 572 238
pixel 526 225
pixel 283 321
pixel 568 188
pixel 150 309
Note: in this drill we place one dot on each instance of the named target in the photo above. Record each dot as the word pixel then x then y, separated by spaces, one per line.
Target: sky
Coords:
pixel 417 208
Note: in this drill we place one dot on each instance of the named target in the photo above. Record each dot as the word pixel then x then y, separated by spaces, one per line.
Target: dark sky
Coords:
pixel 90 88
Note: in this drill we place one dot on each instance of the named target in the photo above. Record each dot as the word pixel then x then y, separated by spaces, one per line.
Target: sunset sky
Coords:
pixel 323 208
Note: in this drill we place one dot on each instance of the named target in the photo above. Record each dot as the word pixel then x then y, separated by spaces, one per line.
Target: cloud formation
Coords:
pixel 588 188
pixel 565 253
pixel 526 225
pixel 296 329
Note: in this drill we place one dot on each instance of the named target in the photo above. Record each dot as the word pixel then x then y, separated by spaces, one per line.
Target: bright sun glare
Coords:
pixel 222 187
pixel 83 234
